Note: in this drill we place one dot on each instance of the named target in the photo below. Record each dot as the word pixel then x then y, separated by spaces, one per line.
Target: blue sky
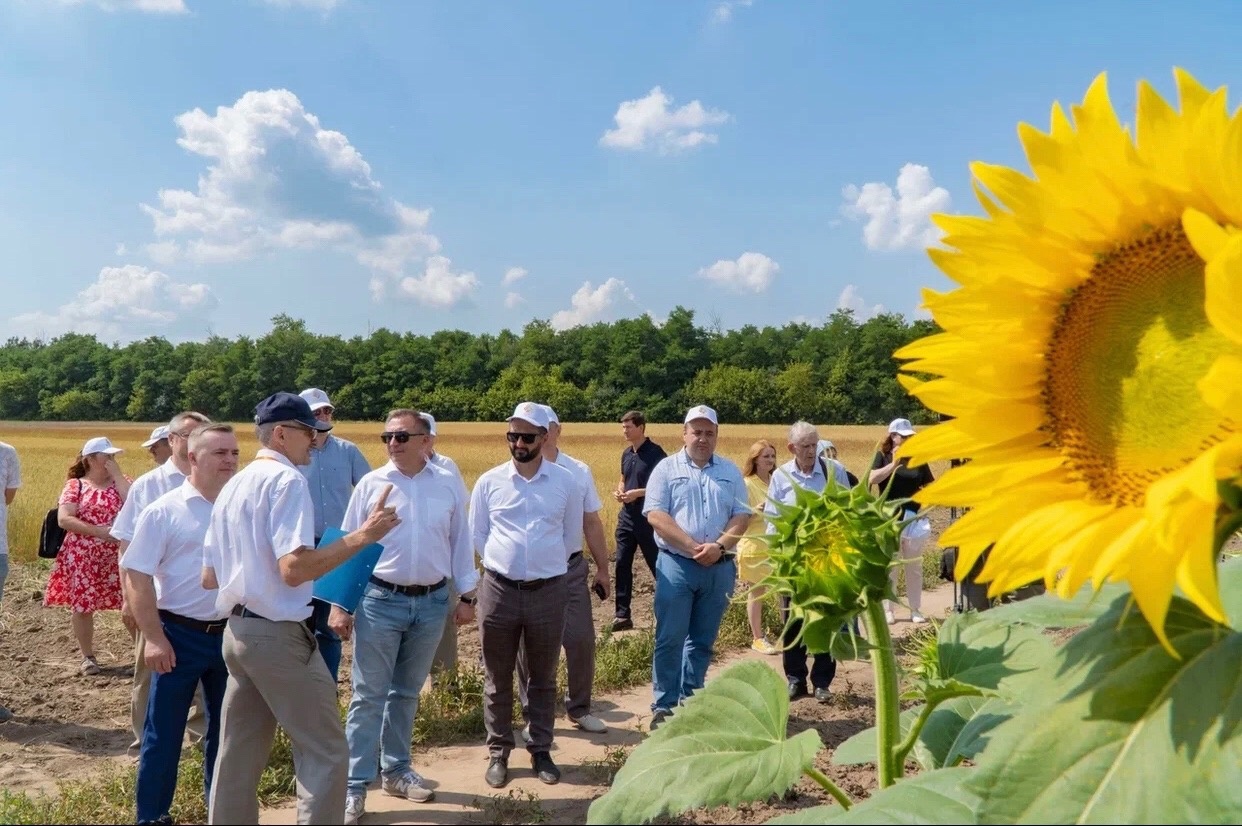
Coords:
pixel 186 167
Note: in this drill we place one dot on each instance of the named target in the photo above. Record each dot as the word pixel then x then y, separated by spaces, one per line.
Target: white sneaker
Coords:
pixel 410 786
pixel 916 617
pixel 355 807
pixel 590 723
pixel 888 616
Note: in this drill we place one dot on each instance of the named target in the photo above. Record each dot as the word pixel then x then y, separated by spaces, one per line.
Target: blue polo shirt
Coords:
pixel 333 471
pixel 700 500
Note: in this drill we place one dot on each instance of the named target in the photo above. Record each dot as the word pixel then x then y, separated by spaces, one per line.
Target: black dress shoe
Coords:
pixel 622 624
pixel 544 768
pixel 822 695
pixel 658 718
pixel 796 689
pixel 497 771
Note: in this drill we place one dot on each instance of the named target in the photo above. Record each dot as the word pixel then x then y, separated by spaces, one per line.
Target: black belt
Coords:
pixel 526 584
pixel 574 557
pixel 408 590
pixel 726 556
pixel 213 627
pixel 243 611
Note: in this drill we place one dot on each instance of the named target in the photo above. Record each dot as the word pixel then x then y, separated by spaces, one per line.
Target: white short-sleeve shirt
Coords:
pixel 142 493
pixel 590 496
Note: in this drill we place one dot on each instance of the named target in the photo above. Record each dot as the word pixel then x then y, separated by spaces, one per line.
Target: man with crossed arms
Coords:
pixel 399 620
pixel 182 629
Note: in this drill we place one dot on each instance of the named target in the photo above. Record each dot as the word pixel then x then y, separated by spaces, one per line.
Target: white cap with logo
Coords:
pixel 99 444
pixel 901 427
pixel 316 398
pixel 531 413
pixel 158 435
pixel 701 411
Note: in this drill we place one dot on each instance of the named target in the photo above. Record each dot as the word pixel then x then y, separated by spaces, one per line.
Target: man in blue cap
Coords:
pixel 259 552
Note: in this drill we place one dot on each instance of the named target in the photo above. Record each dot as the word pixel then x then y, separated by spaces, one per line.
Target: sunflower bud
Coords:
pixel 831 553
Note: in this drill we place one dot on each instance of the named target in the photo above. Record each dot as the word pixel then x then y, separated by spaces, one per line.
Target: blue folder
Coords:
pixel 344 584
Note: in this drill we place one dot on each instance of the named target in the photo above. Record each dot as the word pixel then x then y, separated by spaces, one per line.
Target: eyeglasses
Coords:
pixel 524 438
pixel 323 413
pixel 401 436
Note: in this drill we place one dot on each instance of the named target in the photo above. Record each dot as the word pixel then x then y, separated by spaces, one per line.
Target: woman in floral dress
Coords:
pixel 85 576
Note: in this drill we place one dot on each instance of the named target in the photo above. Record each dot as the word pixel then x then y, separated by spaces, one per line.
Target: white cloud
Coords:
pixel 851 299
pixel 752 272
pixel 513 275
pixel 121 250
pixel 128 302
pixel 723 12
pixel 590 304
pixel 151 6
pixel 513 300
pixel 648 123
pixel 900 220
pixel 276 180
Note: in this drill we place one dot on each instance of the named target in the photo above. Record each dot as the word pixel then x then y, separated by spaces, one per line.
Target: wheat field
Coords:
pixel 47 449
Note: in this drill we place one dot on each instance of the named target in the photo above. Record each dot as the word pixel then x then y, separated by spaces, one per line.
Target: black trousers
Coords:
pixel 793 658
pixel 632 535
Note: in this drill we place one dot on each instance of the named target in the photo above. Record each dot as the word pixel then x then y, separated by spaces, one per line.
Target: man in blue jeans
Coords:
pixel 399 621
pixel 697 504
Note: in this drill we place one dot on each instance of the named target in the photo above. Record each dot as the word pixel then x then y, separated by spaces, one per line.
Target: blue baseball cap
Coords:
pixel 287 407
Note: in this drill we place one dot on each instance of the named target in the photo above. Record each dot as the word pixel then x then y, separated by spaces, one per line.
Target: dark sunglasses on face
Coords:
pixel 401 436
pixel 524 438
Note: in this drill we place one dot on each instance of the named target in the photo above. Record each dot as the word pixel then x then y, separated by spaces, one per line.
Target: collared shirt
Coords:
pixel 10 477
pixel 433 540
pixel 526 528
pixel 636 467
pixel 167 545
pixel 586 483
pixel 701 500
pixel 333 471
pixel 263 513
pixel 785 477
pixel 440 460
pixel 142 493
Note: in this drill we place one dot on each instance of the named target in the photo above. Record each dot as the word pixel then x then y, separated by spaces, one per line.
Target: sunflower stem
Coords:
pixel 887 712
pixel 912 736
pixel 832 788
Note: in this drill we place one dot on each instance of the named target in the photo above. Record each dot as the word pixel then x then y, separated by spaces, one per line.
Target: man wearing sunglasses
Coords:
pixel 526 519
pixel 336 465
pixel 259 552
pixel 401 616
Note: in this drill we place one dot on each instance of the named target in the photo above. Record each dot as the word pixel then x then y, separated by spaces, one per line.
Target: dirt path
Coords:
pixel 585 760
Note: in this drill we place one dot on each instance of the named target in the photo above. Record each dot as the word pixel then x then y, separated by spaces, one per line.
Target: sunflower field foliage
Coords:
pixel 1090 373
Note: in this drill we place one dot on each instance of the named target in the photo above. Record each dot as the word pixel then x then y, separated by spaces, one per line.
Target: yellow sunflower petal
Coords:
pixel 1222 386
pixel 1224 289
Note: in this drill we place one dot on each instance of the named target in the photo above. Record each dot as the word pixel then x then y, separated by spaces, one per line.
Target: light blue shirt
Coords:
pixel 700 500
pixel 785 477
pixel 333 471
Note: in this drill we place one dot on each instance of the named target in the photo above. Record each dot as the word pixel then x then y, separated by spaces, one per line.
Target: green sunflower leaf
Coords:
pixel 978 649
pixel 1121 731
pixel 1230 577
pixel 933 797
pixel 1050 611
pixel 726 745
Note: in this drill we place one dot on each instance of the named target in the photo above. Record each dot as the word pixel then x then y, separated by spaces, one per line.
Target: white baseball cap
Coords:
pixel 531 413
pixel 316 398
pixel 901 427
pixel 158 435
pixel 701 411
pixel 551 414
pixel 824 444
pixel 99 444
pixel 430 420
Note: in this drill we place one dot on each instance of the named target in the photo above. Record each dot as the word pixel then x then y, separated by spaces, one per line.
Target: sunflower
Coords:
pixel 1091 357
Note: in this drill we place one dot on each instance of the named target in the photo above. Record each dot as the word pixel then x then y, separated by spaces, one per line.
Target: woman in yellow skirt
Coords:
pixel 752 550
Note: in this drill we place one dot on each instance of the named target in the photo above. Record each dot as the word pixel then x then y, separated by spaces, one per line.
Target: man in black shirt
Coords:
pixel 633 531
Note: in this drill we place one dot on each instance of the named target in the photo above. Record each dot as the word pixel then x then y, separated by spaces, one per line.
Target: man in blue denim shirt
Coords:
pixel 697 505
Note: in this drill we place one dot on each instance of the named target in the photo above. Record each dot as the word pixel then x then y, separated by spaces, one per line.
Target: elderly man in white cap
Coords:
pixel 157 445
pixel 336 465
pixel 526 519
pixel 697 504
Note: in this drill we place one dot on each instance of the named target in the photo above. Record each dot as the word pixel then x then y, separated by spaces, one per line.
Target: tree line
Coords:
pixel 840 372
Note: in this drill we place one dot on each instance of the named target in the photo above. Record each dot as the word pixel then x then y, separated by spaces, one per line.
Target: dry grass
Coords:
pixel 46 450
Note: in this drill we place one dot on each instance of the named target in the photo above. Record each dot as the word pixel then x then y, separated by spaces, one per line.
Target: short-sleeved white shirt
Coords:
pixel 263 513
pixel 167 545
pixel 526 529
pixel 145 490
pixel 440 460
pixel 10 477
pixel 590 496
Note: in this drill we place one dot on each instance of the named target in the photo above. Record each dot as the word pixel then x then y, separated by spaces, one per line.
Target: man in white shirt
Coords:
pixel 400 618
pixel 446 652
pixel 181 626
pixel 259 553
pixel 526 519
pixel 148 487
pixel 10 481
pixel 578 638
pixel 157 445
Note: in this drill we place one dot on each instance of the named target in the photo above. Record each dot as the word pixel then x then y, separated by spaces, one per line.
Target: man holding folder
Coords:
pixel 401 616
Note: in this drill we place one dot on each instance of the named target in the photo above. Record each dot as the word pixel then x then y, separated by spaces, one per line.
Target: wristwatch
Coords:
pixel 471 601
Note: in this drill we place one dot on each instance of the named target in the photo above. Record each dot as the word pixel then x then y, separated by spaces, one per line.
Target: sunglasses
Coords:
pixel 524 438
pixel 401 436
